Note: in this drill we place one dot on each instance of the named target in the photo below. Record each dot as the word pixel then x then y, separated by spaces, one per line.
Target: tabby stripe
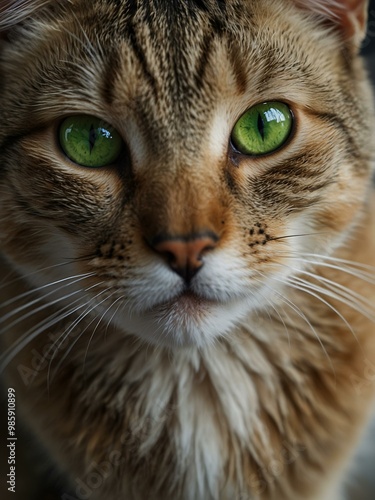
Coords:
pixel 203 59
pixel 141 58
pixel 11 140
pixel 110 73
pixel 339 124
pixel 238 68
pixel 131 9
pixel 202 5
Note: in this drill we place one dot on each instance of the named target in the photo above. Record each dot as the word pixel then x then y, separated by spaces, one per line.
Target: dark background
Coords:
pixel 368 46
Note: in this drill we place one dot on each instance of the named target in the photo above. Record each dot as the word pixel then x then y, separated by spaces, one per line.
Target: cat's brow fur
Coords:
pixel 262 391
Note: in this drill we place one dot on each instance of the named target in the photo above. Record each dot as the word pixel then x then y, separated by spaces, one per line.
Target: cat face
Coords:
pixel 234 143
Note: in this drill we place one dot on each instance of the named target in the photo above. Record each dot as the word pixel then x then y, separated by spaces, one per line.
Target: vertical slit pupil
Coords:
pixel 260 125
pixel 92 137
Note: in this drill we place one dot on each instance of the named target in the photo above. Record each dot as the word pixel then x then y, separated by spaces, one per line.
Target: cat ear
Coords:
pixel 349 15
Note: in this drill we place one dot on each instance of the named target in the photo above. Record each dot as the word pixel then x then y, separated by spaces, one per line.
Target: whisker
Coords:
pixel 109 322
pixel 97 326
pixel 10 353
pixel 82 316
pixel 41 308
pixel 23 277
pixel 301 314
pixel 343 261
pixel 339 292
pixel 21 342
pixel 295 236
pixel 310 289
pixel 77 320
pixel 348 269
pixel 274 309
pixel 76 279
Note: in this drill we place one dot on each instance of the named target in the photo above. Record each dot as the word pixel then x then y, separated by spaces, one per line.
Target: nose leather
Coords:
pixel 184 254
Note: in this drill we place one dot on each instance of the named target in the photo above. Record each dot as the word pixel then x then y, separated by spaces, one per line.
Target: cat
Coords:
pixel 187 244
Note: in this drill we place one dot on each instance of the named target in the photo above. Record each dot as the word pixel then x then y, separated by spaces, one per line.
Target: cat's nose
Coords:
pixel 184 254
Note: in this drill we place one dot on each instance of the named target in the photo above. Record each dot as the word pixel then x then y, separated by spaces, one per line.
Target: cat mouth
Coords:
pixel 187 302
pixel 185 319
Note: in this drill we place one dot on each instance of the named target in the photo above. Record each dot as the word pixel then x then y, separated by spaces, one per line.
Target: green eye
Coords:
pixel 263 128
pixel 89 141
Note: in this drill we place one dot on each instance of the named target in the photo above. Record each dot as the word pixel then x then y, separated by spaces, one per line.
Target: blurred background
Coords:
pixel 361 484
pixel 369 43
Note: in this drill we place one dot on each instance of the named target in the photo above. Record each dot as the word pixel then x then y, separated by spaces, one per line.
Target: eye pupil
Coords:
pixel 262 129
pixel 261 126
pixel 92 137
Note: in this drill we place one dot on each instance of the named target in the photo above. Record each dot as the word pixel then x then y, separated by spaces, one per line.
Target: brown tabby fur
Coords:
pixel 260 386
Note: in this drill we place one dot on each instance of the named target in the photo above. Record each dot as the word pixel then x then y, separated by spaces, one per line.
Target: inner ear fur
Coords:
pixel 350 16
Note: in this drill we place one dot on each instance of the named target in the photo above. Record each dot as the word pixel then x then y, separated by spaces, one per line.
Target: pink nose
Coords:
pixel 184 254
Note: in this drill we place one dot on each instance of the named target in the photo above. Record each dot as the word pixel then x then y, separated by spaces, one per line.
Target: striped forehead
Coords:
pixel 165 78
pixel 174 75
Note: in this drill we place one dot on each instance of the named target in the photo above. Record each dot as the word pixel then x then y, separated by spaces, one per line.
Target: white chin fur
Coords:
pixel 178 325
